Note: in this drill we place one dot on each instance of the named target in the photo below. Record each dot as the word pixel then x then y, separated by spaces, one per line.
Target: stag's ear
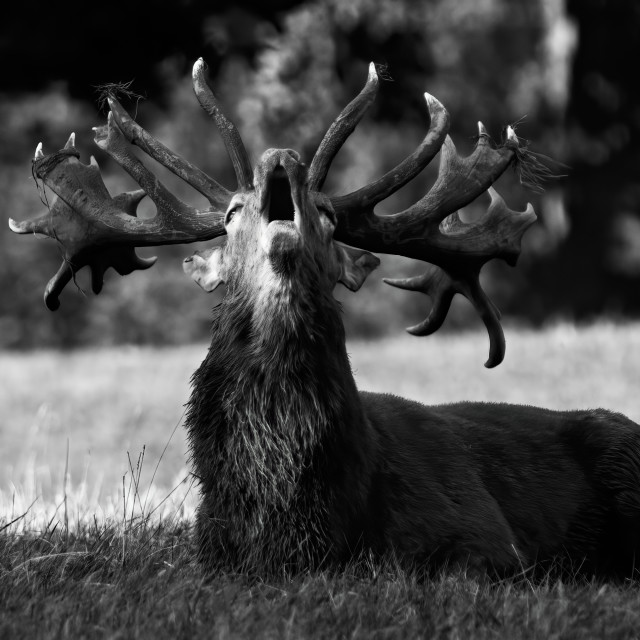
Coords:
pixel 206 267
pixel 355 265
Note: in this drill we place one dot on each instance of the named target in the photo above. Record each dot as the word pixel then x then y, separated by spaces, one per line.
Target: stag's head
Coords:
pixel 281 229
pixel 279 233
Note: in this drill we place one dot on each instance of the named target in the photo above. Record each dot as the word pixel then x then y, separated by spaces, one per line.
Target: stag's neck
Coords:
pixel 291 338
pixel 276 388
pixel 290 310
pixel 277 429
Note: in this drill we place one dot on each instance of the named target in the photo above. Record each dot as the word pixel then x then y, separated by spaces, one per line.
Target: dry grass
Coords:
pixel 91 557
pixel 104 403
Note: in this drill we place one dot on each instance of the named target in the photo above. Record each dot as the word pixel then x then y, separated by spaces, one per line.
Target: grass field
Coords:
pixel 95 500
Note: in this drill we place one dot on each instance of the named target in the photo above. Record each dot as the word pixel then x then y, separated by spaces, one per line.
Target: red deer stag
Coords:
pixel 296 467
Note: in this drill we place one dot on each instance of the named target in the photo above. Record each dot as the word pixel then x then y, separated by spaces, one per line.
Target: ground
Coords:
pixel 95 500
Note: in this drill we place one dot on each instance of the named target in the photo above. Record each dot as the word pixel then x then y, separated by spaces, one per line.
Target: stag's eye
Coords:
pixel 330 213
pixel 232 212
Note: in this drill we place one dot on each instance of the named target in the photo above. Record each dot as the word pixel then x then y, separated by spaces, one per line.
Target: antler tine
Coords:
pixel 217 195
pixel 367 197
pixel 441 287
pixel 461 180
pixel 230 135
pixel 341 129
pixel 497 234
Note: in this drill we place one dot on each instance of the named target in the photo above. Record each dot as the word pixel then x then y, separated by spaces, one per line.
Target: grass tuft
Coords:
pixel 90 584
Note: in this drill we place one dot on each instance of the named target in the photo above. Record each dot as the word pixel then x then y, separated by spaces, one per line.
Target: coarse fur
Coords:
pixel 278 439
pixel 298 469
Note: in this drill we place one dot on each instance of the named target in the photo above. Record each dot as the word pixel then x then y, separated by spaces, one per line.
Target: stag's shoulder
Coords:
pixel 387 407
pixel 397 419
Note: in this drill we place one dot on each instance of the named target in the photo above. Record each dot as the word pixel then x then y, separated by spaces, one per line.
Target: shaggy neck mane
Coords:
pixel 273 410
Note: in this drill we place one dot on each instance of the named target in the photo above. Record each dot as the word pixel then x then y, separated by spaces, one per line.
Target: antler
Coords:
pixel 431 230
pixel 101 231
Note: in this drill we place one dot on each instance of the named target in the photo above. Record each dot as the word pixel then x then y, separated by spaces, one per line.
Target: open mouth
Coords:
pixel 281 238
pixel 281 205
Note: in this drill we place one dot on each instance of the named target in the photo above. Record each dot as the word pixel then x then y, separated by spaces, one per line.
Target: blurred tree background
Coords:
pixel 284 69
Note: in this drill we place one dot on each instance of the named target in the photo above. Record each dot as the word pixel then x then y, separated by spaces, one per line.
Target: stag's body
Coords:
pixel 298 468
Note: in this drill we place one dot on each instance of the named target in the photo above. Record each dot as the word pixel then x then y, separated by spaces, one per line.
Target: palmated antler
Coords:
pixel 431 230
pixel 101 231
pixel 441 284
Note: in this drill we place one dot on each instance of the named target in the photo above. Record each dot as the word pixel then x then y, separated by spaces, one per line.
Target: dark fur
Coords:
pixel 508 485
